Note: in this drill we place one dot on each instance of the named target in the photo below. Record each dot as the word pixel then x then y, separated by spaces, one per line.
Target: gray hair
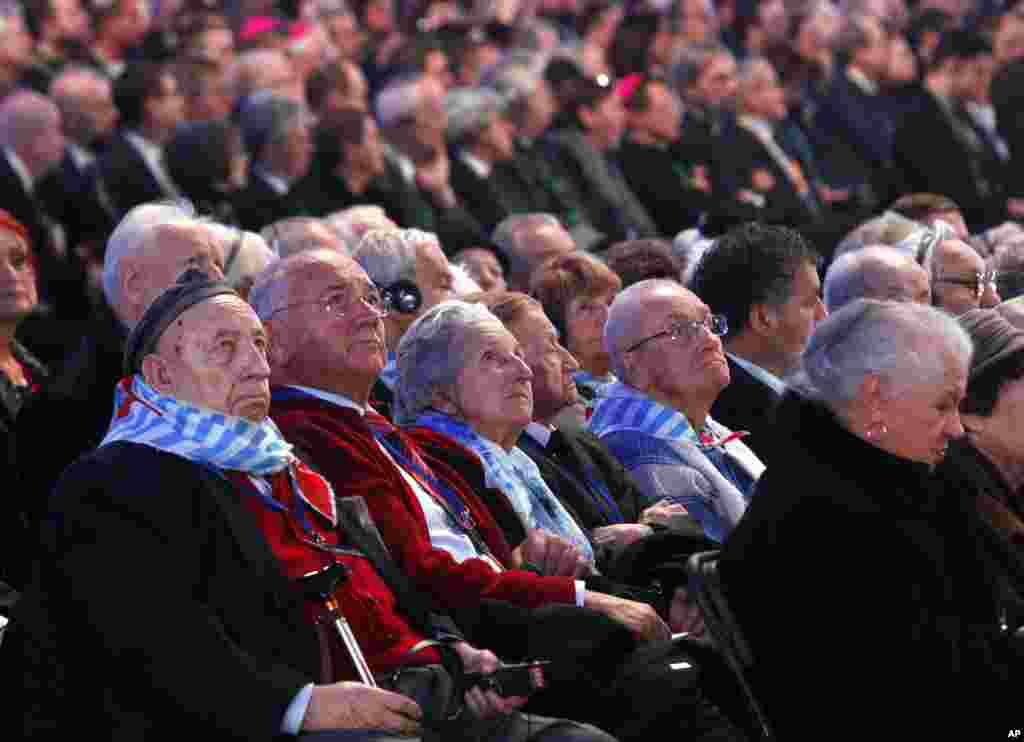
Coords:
pixel 467 109
pixel 352 223
pixel 389 255
pixel 130 237
pixel 863 275
pixel 297 233
pixel 432 353
pixel 691 61
pixel 246 254
pixel 905 344
pixel 625 317
pixel 266 118
pixel 397 102
pixel 887 228
pixel 69 90
pixel 506 237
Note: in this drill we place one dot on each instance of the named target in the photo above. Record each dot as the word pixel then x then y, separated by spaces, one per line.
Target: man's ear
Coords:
pixel 131 282
pixel 156 373
pixel 762 319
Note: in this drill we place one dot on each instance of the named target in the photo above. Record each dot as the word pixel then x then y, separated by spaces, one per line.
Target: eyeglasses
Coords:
pixel 976 281
pixel 341 302
pixel 688 330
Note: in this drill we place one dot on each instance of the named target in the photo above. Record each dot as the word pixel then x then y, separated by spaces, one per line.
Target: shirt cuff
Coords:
pixel 581 592
pixel 296 711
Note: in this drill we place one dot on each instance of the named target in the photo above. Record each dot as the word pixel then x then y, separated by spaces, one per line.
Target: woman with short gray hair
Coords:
pixel 850 487
pixel 461 374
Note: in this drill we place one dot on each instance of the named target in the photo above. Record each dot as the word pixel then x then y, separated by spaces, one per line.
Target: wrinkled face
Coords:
pixel 762 95
pixel 922 420
pixel 492 392
pixel 215 356
pixel 585 319
pixel 797 317
pixel 542 244
pixel 433 275
pixel 151 272
pixel 956 284
pixel 663 117
pixel 18 295
pixel 551 364
pixel 717 84
pixel 674 367
pixel 484 268
pixel 605 122
pixel 331 324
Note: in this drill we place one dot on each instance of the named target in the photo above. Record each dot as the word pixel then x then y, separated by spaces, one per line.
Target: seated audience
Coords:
pixel 232 591
pixel 849 486
pixel 875 272
pixel 21 376
pixel 764 281
pixel 575 291
pixel 665 350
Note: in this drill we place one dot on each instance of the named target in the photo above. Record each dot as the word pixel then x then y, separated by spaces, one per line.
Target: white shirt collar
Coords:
pixel 80 155
pixel 760 127
pixel 335 399
pixel 540 433
pixel 766 377
pixel 19 168
pixel 406 167
pixel 474 163
pixel 859 79
pixel 279 184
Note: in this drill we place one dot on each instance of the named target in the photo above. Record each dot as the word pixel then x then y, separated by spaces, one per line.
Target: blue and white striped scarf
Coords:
pixel 517 476
pixel 621 407
pixel 143 415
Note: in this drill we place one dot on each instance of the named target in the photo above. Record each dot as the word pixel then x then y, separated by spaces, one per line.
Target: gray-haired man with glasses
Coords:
pixel 960 279
pixel 666 349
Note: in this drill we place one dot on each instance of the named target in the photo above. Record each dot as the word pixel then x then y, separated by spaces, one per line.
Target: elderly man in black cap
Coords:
pixel 195 508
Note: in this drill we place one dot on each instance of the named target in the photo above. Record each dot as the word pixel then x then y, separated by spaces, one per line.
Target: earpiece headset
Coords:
pixel 402 296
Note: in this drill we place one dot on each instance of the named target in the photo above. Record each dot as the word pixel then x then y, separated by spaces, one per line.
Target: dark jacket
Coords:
pixel 855 587
pixel 748 404
pixel 161 603
pixel 259 204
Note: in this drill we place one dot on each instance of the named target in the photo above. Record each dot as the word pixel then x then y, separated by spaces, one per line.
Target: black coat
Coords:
pixel 855 587
pixel 259 204
pixel 748 404
pixel 163 605
pixel 126 179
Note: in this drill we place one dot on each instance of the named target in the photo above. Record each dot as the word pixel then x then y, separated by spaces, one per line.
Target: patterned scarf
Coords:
pixel 143 415
pixel 517 476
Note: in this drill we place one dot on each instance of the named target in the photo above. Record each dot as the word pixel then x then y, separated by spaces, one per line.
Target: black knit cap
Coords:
pixel 994 339
pixel 192 287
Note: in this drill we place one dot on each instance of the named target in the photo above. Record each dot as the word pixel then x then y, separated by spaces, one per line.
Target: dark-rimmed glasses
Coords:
pixel 341 302
pixel 687 329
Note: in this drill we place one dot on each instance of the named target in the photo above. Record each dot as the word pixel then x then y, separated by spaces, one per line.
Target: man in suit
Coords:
pixel 199 353
pixel 968 171
pixel 132 170
pixel 277 132
pixel 31 146
pixel 764 280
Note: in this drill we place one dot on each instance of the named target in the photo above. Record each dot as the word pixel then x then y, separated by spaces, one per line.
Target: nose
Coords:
pixel 257 363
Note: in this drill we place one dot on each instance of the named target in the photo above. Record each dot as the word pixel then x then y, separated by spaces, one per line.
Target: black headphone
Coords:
pixel 402 296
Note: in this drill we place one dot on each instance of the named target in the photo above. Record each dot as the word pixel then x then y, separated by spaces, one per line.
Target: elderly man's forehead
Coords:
pixel 332 270
pixel 207 319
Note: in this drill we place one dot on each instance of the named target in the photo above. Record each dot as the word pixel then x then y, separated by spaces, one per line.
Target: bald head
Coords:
pixel 631 314
pixel 85 99
pixel 30 125
pixel 296 234
pixel 875 272
pixel 956 273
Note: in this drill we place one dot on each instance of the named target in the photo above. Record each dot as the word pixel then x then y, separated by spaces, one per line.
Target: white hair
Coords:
pixel 389 255
pixel 246 254
pixel 130 238
pixel 398 102
pixel 905 344
pixel 352 223
pixel 432 353
pixel 463 284
pixel 864 274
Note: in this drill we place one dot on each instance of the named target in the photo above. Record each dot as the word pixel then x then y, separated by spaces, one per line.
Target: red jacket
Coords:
pixel 341 446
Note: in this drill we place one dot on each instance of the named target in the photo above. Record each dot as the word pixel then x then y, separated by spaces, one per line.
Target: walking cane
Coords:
pixel 322 584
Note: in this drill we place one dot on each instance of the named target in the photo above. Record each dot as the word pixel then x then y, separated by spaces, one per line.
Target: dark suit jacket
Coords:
pixel 259 204
pixel 934 154
pixel 126 179
pixel 748 404
pixel 162 603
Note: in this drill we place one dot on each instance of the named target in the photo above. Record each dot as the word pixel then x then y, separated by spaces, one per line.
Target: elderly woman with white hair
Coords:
pixel 462 374
pixel 899 628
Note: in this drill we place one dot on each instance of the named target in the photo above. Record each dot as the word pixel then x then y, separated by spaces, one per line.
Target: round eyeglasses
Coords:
pixel 688 330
